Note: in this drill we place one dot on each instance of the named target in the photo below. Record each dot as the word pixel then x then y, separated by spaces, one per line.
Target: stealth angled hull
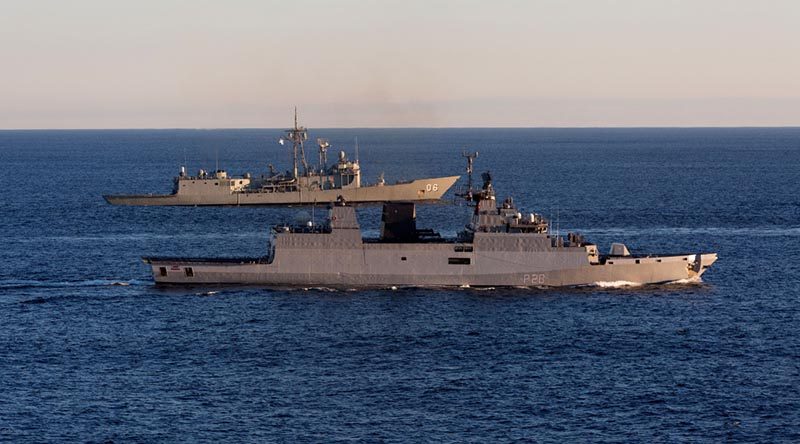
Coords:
pixel 336 256
pixel 366 266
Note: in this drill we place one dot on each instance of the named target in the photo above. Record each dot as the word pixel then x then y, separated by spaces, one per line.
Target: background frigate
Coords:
pixel 303 185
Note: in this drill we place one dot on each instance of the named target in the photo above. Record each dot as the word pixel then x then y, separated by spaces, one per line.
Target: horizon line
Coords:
pixel 414 127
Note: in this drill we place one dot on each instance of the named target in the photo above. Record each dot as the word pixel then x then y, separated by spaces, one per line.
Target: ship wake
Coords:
pixel 18 284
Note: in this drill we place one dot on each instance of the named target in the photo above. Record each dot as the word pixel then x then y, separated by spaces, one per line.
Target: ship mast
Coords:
pixel 322 168
pixel 470 160
pixel 468 194
pixel 297 135
pixel 294 144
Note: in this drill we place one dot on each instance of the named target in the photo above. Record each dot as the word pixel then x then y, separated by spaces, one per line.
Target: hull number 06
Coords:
pixel 432 187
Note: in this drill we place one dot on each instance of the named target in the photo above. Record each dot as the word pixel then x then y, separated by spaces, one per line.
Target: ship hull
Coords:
pixel 417 190
pixel 378 267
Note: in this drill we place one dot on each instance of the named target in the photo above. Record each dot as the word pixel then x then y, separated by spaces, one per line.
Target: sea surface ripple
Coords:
pixel 92 351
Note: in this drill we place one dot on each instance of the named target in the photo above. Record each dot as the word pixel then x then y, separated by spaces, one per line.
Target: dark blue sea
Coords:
pixel 92 351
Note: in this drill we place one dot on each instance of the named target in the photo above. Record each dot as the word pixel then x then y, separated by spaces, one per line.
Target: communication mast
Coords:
pixel 323 144
pixel 470 156
pixel 470 160
pixel 322 167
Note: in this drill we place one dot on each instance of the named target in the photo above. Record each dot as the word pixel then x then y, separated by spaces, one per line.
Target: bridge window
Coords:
pixel 458 261
pixel 189 272
pixel 463 248
pixel 162 271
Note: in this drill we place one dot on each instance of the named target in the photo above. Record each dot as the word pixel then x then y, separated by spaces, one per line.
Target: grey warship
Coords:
pixel 318 184
pixel 499 247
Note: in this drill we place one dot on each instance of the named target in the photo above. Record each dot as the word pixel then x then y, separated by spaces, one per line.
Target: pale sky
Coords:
pixel 410 63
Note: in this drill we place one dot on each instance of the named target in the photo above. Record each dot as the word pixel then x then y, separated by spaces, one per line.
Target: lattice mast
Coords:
pixel 297 135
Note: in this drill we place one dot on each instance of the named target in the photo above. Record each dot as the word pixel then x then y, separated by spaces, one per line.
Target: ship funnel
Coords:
pixel 399 222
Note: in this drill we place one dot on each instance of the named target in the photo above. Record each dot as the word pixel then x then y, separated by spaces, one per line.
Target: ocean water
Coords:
pixel 92 351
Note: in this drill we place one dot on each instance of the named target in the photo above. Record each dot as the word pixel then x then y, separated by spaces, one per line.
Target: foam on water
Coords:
pixel 320 288
pixel 687 281
pixel 616 284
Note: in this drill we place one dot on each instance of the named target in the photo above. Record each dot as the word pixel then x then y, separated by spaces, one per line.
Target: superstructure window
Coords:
pixel 189 272
pixel 463 248
pixel 458 261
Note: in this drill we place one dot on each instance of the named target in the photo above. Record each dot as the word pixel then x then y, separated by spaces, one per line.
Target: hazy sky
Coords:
pixel 246 63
